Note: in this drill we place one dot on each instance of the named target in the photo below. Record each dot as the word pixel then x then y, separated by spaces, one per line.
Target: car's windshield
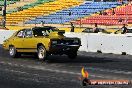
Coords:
pixel 43 31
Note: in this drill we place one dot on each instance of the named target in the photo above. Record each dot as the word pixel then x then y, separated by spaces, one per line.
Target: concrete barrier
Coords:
pixel 5 34
pixel 105 43
pixel 93 42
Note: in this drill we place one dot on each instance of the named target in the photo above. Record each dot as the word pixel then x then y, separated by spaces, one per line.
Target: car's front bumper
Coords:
pixel 63 48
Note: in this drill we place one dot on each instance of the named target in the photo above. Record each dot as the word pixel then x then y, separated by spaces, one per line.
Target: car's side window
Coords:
pixel 28 33
pixel 44 33
pixel 20 34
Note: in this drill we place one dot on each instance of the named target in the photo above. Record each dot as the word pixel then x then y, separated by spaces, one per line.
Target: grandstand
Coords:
pixel 74 13
pixel 45 8
pixel 18 6
pixel 8 3
pixel 122 15
pixel 61 12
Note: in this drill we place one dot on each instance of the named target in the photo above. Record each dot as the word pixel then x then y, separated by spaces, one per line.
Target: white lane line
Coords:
pixel 106 70
pixel 69 72
pixel 45 69
pixel 57 71
pixel 21 72
pixel 22 78
pixel 35 76
pixel 88 68
pixel 112 71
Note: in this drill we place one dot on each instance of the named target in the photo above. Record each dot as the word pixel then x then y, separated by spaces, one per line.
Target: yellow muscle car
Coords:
pixel 42 41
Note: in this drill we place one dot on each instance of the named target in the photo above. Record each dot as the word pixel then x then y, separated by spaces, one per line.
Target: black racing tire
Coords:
pixel 41 53
pixel 72 55
pixel 13 52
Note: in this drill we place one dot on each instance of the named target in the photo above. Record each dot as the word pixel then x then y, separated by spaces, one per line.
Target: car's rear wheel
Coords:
pixel 13 52
pixel 41 53
pixel 72 54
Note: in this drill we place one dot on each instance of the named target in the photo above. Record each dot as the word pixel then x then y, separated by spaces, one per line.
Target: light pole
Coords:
pixel 4 14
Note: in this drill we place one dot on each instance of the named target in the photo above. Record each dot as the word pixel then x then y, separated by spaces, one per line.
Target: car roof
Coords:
pixel 36 28
pixel 43 27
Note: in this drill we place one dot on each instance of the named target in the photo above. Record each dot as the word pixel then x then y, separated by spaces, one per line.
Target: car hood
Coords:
pixel 58 34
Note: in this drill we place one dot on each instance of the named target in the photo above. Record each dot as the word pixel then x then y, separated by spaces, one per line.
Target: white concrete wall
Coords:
pixel 106 43
pixel 4 34
pixel 92 42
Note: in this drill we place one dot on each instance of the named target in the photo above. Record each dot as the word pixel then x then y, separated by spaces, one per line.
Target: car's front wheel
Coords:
pixel 41 53
pixel 13 52
pixel 72 54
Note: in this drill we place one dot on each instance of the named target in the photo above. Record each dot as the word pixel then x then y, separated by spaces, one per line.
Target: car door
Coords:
pixel 18 39
pixel 29 42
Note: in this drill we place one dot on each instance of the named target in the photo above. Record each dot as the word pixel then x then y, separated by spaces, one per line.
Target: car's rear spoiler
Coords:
pixel 61 32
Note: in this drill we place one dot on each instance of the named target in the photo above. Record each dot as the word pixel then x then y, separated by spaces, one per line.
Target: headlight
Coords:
pixel 54 42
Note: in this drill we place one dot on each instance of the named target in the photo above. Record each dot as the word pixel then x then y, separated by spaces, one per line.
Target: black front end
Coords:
pixel 63 46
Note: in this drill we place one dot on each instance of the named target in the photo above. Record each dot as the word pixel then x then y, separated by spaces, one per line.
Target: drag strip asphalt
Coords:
pixel 61 72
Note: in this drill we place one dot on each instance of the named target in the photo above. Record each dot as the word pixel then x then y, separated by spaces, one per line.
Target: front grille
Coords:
pixel 67 42
pixel 63 42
